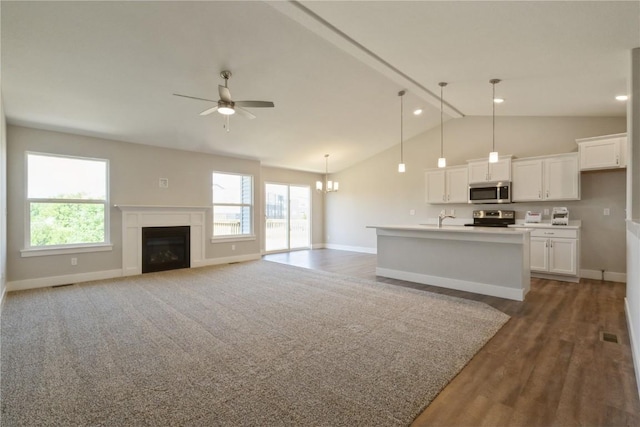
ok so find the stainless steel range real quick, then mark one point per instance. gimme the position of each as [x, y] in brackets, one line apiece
[493, 218]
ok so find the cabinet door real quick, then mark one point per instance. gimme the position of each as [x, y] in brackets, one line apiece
[562, 178]
[600, 154]
[539, 251]
[500, 171]
[457, 184]
[527, 181]
[478, 172]
[562, 256]
[435, 186]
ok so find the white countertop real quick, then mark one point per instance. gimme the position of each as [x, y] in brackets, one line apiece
[454, 229]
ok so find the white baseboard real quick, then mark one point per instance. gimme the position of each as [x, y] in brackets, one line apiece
[610, 276]
[351, 248]
[226, 260]
[635, 353]
[318, 246]
[43, 282]
[460, 285]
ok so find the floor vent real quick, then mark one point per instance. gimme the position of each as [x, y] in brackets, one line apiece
[608, 337]
[62, 286]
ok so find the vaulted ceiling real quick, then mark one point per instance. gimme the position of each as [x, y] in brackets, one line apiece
[332, 68]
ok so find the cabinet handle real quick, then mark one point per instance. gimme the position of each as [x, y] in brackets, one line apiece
[550, 233]
[551, 244]
[617, 160]
[547, 194]
[546, 244]
[540, 194]
[444, 198]
[448, 197]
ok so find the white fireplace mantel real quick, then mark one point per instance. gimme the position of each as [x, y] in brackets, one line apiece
[135, 217]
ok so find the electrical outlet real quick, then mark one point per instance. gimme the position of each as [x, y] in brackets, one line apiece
[233, 247]
[546, 211]
[607, 211]
[163, 182]
[412, 211]
[453, 212]
[74, 261]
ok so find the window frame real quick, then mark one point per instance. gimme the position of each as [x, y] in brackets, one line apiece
[234, 237]
[67, 248]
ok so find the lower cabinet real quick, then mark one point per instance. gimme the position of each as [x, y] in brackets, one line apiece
[555, 251]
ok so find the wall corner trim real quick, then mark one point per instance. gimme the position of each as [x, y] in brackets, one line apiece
[635, 352]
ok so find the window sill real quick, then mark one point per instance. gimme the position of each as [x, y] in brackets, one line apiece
[225, 239]
[33, 252]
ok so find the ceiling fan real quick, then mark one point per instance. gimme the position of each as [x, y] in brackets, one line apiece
[226, 106]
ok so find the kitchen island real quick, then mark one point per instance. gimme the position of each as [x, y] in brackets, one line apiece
[484, 260]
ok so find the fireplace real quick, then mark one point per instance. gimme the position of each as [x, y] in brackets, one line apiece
[165, 248]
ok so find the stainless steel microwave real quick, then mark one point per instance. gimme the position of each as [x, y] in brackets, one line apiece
[490, 192]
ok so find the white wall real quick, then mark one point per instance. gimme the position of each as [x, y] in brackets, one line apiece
[3, 202]
[134, 173]
[373, 192]
[633, 213]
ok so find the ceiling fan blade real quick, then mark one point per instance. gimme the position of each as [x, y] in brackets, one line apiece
[209, 111]
[194, 97]
[244, 112]
[255, 104]
[225, 94]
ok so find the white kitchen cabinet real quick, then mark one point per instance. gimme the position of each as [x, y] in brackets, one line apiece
[483, 171]
[555, 251]
[447, 185]
[546, 178]
[603, 152]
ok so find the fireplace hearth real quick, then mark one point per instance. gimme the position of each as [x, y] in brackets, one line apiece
[165, 248]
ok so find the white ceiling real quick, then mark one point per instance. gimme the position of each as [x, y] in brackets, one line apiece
[332, 68]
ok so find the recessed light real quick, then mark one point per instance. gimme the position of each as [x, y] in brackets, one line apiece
[622, 97]
[417, 111]
[498, 100]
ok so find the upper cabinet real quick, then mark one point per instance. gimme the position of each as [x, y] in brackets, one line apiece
[546, 178]
[483, 171]
[447, 185]
[603, 152]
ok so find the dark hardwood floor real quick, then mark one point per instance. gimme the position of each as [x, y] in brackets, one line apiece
[548, 366]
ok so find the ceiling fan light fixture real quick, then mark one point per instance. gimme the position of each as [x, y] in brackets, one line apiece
[226, 110]
[622, 97]
[498, 100]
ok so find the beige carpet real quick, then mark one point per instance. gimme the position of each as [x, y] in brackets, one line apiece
[257, 343]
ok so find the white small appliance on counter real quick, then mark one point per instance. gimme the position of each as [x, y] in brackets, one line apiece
[560, 216]
[532, 217]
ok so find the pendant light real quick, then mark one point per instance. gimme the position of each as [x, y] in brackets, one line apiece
[328, 186]
[401, 166]
[493, 155]
[442, 162]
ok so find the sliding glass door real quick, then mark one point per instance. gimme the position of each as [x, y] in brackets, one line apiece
[288, 217]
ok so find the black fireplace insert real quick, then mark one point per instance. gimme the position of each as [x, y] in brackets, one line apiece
[165, 248]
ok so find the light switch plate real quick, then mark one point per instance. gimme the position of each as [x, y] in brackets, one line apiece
[163, 182]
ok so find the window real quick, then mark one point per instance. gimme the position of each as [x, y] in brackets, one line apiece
[232, 205]
[67, 201]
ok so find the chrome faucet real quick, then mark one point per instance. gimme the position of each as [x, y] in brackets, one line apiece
[442, 216]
